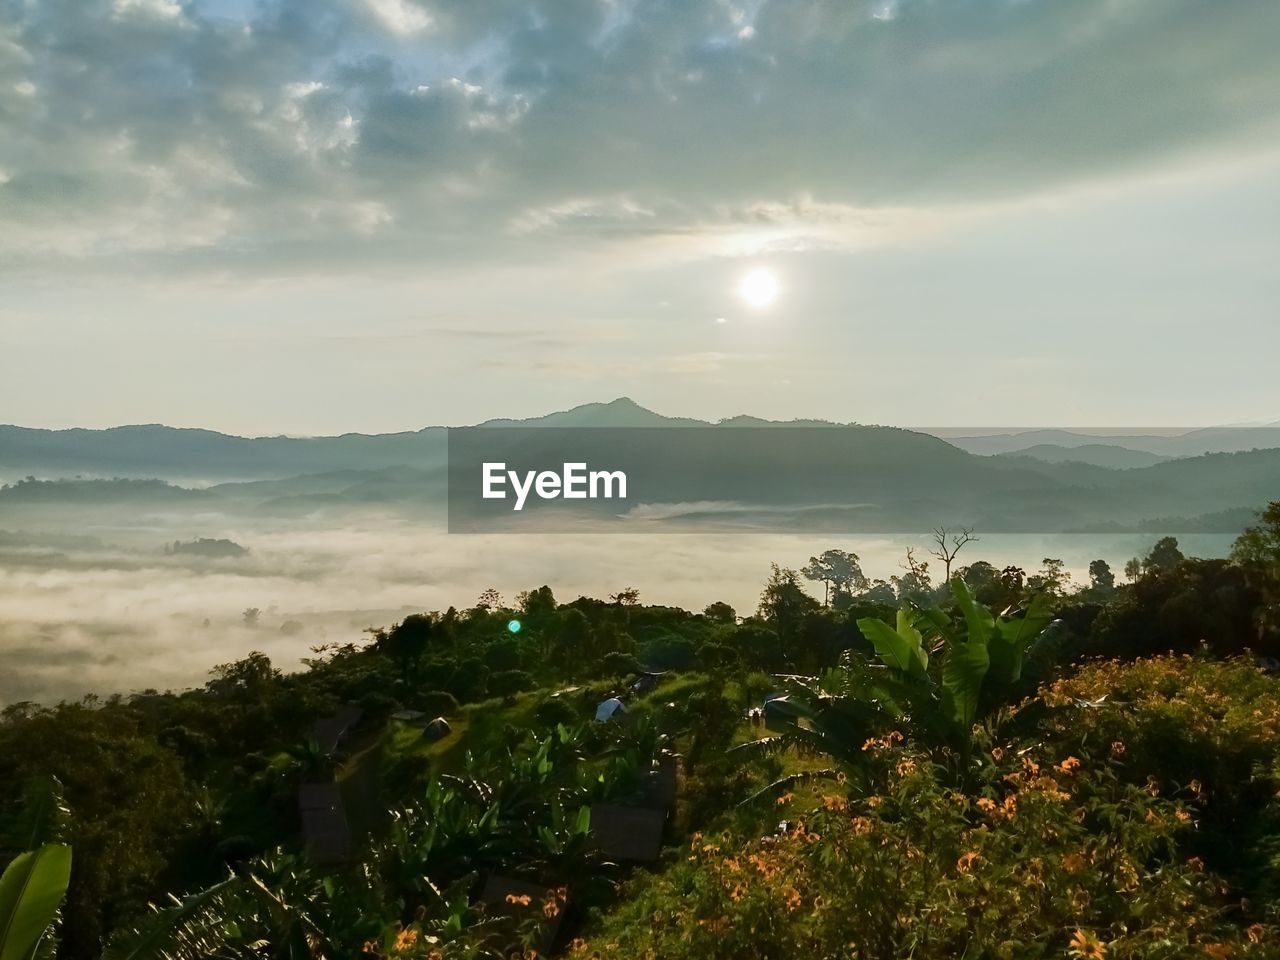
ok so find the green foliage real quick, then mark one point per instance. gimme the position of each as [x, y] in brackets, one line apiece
[190, 791]
[1050, 858]
[31, 890]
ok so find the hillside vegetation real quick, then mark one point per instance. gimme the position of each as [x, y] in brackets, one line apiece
[999, 763]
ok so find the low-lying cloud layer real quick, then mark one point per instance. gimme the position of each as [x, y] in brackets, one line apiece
[82, 617]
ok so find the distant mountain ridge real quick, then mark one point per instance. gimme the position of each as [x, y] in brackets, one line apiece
[147, 451]
[1193, 443]
[183, 455]
[885, 478]
[1096, 454]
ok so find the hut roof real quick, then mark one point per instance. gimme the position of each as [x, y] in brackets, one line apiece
[329, 731]
[324, 822]
[659, 790]
[628, 833]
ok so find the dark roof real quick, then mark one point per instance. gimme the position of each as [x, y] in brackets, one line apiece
[329, 731]
[659, 790]
[497, 890]
[628, 833]
[324, 822]
[319, 796]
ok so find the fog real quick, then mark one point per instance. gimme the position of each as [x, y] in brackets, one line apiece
[102, 609]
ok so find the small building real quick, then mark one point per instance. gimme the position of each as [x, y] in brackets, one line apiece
[329, 732]
[608, 709]
[325, 830]
[658, 791]
[628, 833]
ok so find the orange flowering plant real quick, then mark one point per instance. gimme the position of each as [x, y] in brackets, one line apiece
[1051, 854]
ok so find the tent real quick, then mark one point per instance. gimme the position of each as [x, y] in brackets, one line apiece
[779, 707]
[647, 680]
[609, 707]
[437, 729]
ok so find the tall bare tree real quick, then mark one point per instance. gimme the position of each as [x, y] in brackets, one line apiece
[948, 544]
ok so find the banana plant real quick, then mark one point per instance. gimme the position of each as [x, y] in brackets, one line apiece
[935, 675]
[272, 908]
[31, 892]
[982, 655]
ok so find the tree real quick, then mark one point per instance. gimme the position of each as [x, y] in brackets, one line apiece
[537, 605]
[881, 591]
[507, 683]
[626, 597]
[1257, 551]
[948, 544]
[406, 642]
[251, 616]
[130, 798]
[915, 584]
[573, 640]
[979, 574]
[489, 600]
[1054, 578]
[721, 612]
[248, 678]
[839, 572]
[617, 665]
[783, 602]
[1164, 557]
[1101, 579]
[1260, 544]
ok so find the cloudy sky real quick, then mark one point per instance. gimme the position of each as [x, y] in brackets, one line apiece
[314, 216]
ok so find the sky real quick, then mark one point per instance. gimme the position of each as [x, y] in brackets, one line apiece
[321, 216]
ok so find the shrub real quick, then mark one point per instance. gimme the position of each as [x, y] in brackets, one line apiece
[557, 710]
[437, 703]
[507, 683]
[1207, 732]
[1051, 858]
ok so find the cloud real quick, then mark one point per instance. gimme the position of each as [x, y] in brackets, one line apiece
[401, 17]
[157, 9]
[77, 618]
[308, 135]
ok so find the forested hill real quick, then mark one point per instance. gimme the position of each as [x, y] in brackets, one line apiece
[155, 451]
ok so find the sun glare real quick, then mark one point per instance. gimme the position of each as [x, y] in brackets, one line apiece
[759, 288]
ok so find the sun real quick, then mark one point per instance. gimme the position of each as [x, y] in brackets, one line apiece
[759, 288]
